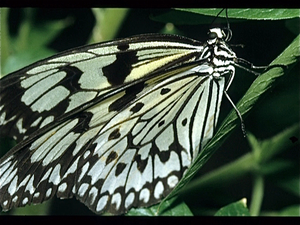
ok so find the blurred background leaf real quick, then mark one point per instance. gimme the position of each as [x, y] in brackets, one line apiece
[238, 208]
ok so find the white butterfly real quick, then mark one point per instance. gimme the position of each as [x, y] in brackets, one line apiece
[114, 124]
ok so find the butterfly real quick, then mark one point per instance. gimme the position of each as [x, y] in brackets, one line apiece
[115, 124]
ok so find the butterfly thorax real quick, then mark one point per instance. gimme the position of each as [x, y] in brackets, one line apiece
[218, 55]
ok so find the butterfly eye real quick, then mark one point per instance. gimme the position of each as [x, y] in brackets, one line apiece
[212, 35]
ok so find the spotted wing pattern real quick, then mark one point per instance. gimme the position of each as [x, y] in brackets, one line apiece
[115, 124]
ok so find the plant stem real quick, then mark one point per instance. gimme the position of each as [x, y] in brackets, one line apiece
[108, 23]
[257, 194]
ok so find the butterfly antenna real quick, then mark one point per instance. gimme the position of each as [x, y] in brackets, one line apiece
[218, 15]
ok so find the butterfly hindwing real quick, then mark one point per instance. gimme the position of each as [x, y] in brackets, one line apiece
[96, 159]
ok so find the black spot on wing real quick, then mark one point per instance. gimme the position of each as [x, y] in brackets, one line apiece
[130, 94]
[164, 156]
[161, 123]
[137, 107]
[115, 134]
[184, 121]
[123, 46]
[164, 91]
[71, 82]
[117, 71]
[120, 168]
[83, 123]
[141, 164]
[111, 157]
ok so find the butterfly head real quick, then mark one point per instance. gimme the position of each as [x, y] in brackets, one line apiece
[215, 34]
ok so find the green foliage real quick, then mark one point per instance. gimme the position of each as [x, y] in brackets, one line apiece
[171, 207]
[269, 162]
[250, 14]
[21, 50]
[202, 16]
[238, 208]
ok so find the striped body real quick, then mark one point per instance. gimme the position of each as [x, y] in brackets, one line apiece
[115, 124]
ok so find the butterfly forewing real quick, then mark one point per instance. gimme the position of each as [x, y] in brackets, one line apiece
[53, 89]
[115, 124]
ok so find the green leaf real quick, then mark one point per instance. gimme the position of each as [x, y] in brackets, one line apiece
[4, 51]
[30, 44]
[33, 35]
[238, 208]
[181, 17]
[206, 16]
[171, 207]
[253, 14]
[25, 58]
[275, 166]
[44, 33]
